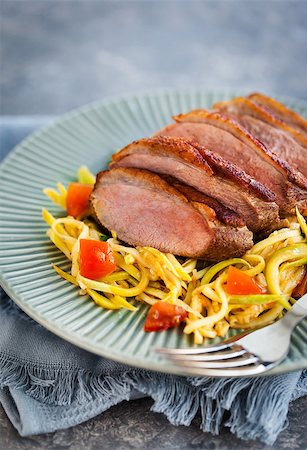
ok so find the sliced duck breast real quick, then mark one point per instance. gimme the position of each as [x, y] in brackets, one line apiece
[281, 111]
[279, 142]
[246, 106]
[234, 143]
[205, 171]
[223, 214]
[145, 210]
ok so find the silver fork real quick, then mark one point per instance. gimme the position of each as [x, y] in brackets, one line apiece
[252, 354]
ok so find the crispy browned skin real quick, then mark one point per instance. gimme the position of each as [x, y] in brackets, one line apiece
[226, 237]
[281, 111]
[279, 142]
[225, 168]
[195, 166]
[231, 126]
[199, 156]
[242, 105]
[163, 145]
[145, 210]
[222, 213]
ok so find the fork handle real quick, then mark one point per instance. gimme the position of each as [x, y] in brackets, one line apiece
[297, 312]
[300, 306]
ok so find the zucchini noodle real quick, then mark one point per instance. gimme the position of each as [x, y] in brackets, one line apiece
[146, 275]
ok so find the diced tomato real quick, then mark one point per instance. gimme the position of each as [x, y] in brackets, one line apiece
[96, 259]
[239, 283]
[77, 201]
[162, 316]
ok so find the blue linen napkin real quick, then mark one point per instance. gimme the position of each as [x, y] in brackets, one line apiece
[48, 384]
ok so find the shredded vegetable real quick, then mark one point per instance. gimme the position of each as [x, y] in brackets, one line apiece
[85, 176]
[277, 265]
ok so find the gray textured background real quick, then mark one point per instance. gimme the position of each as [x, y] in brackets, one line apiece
[57, 55]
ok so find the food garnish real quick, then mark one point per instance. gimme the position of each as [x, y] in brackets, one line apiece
[238, 283]
[77, 200]
[96, 259]
[162, 316]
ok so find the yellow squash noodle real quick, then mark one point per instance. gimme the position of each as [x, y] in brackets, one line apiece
[149, 275]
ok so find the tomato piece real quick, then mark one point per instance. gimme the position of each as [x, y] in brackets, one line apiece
[239, 283]
[77, 201]
[96, 259]
[162, 316]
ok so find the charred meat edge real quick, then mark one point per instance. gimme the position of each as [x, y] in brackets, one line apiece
[278, 141]
[242, 105]
[280, 111]
[198, 155]
[223, 214]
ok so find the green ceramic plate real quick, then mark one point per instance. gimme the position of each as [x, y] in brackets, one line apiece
[89, 136]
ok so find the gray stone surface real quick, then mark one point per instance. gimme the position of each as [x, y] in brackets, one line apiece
[56, 55]
[132, 426]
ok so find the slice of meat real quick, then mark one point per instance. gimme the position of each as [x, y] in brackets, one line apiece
[242, 105]
[238, 239]
[234, 143]
[279, 142]
[145, 210]
[197, 167]
[223, 214]
[280, 111]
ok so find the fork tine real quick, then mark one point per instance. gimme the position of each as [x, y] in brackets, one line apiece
[212, 356]
[225, 373]
[224, 364]
[248, 355]
[196, 351]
